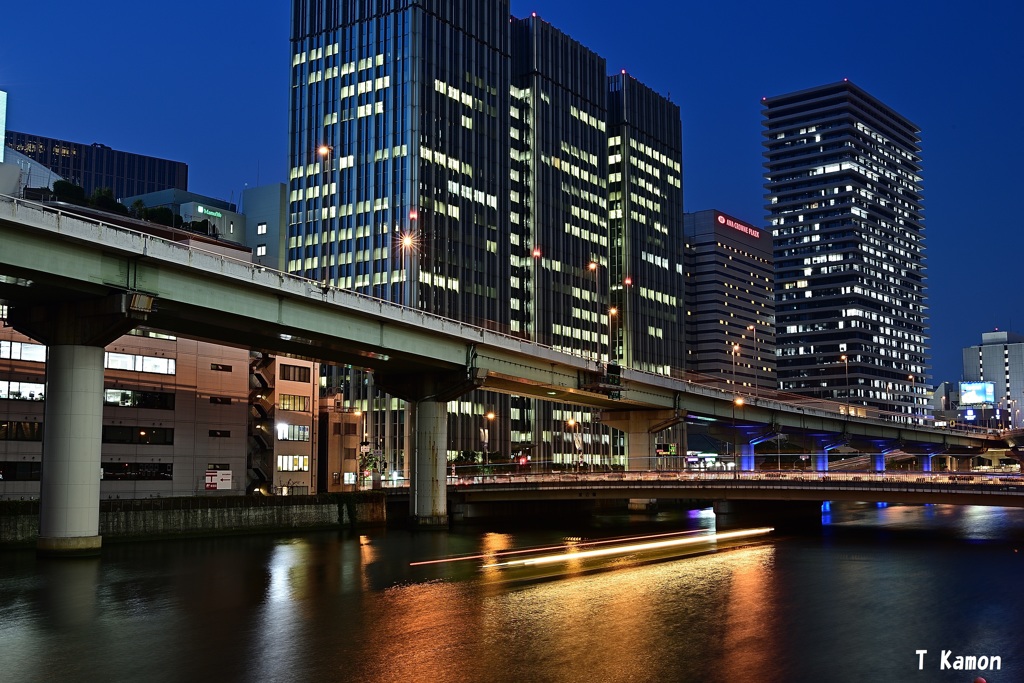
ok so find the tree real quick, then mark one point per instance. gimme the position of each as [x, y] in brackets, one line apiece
[160, 215]
[64, 191]
[103, 199]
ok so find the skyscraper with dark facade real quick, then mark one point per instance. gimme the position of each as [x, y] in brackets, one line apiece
[730, 301]
[454, 158]
[843, 197]
[97, 166]
[645, 217]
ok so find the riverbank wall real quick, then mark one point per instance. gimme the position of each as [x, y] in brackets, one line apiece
[156, 518]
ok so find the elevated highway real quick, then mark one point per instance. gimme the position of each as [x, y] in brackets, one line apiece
[76, 282]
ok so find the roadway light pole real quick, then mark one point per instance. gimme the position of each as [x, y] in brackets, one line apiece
[576, 439]
[846, 361]
[612, 312]
[485, 432]
[753, 331]
[324, 151]
[735, 352]
[592, 267]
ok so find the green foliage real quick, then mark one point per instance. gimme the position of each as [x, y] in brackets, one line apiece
[64, 191]
[160, 215]
[103, 199]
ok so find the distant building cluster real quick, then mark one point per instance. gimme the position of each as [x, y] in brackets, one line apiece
[487, 168]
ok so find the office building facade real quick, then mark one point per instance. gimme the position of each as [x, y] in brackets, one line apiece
[843, 199]
[730, 304]
[97, 166]
[456, 159]
[174, 417]
[992, 390]
[645, 218]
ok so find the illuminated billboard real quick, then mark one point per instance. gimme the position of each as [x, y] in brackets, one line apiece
[977, 393]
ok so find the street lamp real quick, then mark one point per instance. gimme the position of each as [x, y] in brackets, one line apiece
[324, 152]
[576, 438]
[612, 312]
[406, 242]
[735, 352]
[592, 267]
[846, 361]
[753, 330]
[485, 432]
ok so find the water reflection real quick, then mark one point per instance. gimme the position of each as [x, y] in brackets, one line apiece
[852, 604]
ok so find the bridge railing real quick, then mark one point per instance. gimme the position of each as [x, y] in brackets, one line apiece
[1000, 480]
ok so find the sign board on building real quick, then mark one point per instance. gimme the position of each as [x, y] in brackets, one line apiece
[218, 480]
[977, 393]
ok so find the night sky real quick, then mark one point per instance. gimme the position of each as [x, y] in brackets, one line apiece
[207, 83]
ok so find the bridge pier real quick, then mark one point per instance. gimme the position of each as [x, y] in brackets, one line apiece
[640, 427]
[426, 423]
[879, 461]
[783, 515]
[428, 503]
[75, 334]
[746, 463]
[821, 462]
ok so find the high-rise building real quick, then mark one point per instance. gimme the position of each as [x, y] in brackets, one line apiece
[730, 304]
[645, 217]
[456, 159]
[843, 198]
[993, 382]
[97, 166]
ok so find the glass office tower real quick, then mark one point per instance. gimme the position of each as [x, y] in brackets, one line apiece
[453, 158]
[645, 195]
[843, 197]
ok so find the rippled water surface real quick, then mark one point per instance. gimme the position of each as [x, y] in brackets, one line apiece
[854, 603]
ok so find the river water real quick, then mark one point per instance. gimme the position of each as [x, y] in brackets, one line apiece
[854, 603]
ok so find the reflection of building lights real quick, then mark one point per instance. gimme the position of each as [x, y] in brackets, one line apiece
[618, 550]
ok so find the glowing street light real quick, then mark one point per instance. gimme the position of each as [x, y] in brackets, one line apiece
[757, 357]
[324, 152]
[846, 361]
[485, 432]
[612, 312]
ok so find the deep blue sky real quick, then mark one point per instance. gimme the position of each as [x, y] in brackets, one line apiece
[207, 82]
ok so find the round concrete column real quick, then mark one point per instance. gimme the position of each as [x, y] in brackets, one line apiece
[69, 513]
[746, 463]
[428, 499]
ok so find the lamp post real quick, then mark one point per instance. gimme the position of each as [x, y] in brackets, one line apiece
[592, 267]
[406, 243]
[324, 152]
[612, 312]
[757, 353]
[627, 322]
[534, 297]
[735, 352]
[485, 433]
[846, 361]
[574, 436]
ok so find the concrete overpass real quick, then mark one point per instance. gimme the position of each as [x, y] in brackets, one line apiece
[76, 282]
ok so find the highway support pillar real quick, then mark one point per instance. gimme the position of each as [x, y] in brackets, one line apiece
[428, 493]
[641, 427]
[821, 462]
[746, 463]
[426, 430]
[879, 460]
[75, 334]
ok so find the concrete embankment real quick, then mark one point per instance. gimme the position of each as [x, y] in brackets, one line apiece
[155, 518]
